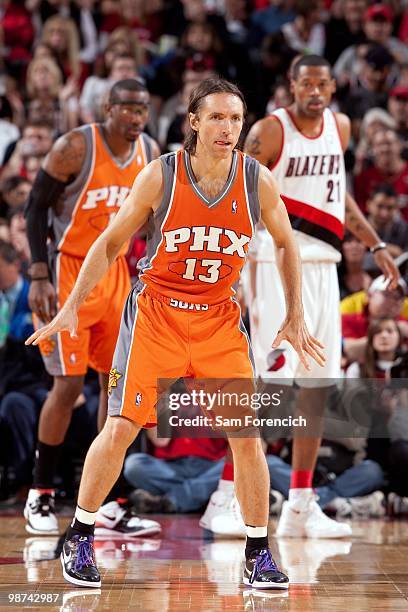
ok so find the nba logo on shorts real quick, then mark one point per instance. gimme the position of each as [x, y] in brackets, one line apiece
[138, 399]
[234, 206]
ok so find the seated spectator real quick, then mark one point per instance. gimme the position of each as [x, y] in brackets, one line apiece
[14, 194]
[18, 238]
[306, 33]
[37, 139]
[95, 89]
[377, 26]
[17, 35]
[370, 87]
[383, 215]
[382, 351]
[44, 82]
[388, 167]
[179, 476]
[398, 109]
[9, 132]
[270, 20]
[19, 416]
[60, 34]
[351, 274]
[374, 120]
[360, 308]
[385, 359]
[15, 314]
[350, 491]
[344, 27]
[281, 97]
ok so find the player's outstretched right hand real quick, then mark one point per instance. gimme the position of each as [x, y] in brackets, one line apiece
[65, 320]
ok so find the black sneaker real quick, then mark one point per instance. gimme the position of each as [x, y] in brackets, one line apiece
[261, 572]
[78, 561]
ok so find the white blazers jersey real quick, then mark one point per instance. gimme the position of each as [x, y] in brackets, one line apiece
[312, 182]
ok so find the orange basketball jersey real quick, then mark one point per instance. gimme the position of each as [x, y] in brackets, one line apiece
[197, 246]
[91, 201]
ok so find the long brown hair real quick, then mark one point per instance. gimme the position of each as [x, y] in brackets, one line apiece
[369, 367]
[204, 89]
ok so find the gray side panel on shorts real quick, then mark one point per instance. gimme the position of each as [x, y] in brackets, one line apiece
[52, 360]
[61, 214]
[154, 236]
[122, 353]
[251, 177]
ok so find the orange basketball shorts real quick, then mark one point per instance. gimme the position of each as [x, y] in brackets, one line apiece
[161, 340]
[98, 320]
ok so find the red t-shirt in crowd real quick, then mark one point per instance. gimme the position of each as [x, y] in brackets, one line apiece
[366, 181]
[356, 325]
[207, 448]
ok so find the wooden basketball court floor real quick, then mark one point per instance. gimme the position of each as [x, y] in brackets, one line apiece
[185, 569]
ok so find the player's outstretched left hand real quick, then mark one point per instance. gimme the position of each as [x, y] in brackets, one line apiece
[65, 320]
[387, 265]
[296, 332]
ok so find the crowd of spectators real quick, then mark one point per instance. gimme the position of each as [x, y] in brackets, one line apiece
[58, 59]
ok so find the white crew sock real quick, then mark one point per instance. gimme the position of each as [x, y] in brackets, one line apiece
[88, 518]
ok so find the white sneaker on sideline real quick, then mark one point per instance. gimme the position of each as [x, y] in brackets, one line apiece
[397, 505]
[39, 512]
[368, 506]
[113, 519]
[309, 522]
[223, 516]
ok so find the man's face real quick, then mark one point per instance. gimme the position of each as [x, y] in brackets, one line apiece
[382, 209]
[398, 107]
[218, 123]
[386, 148]
[18, 196]
[37, 140]
[378, 30]
[375, 78]
[123, 68]
[385, 304]
[129, 113]
[354, 9]
[313, 89]
[8, 274]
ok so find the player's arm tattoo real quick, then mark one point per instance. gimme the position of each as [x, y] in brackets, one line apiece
[353, 223]
[358, 225]
[254, 145]
[66, 157]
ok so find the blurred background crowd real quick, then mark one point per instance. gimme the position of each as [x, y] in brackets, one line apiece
[58, 60]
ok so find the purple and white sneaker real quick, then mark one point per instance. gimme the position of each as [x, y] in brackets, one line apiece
[261, 572]
[78, 561]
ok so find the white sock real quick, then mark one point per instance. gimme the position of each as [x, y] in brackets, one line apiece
[256, 532]
[226, 485]
[88, 518]
[300, 497]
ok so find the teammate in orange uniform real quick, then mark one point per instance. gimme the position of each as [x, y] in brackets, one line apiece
[303, 147]
[85, 179]
[203, 203]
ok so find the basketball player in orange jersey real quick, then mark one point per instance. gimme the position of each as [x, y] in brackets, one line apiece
[84, 180]
[202, 204]
[303, 147]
